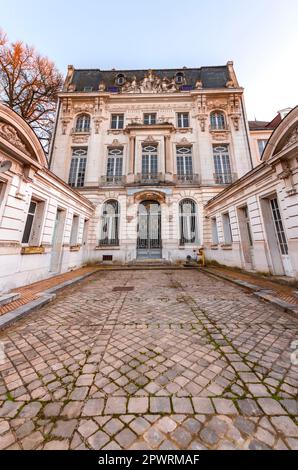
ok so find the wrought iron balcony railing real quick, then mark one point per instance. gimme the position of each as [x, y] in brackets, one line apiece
[187, 179]
[224, 178]
[149, 178]
[112, 180]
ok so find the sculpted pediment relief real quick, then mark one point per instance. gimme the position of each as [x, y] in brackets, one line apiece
[10, 134]
[292, 138]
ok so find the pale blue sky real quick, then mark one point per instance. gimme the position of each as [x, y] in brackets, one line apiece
[260, 36]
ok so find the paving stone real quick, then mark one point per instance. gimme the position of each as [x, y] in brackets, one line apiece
[291, 406]
[271, 407]
[112, 446]
[196, 445]
[87, 428]
[249, 407]
[138, 405]
[64, 428]
[31, 442]
[125, 438]
[4, 427]
[224, 406]
[285, 425]
[72, 409]
[6, 440]
[57, 445]
[113, 426]
[168, 445]
[244, 425]
[25, 429]
[52, 409]
[166, 424]
[30, 410]
[257, 445]
[209, 436]
[182, 437]
[116, 405]
[182, 405]
[153, 437]
[79, 393]
[192, 425]
[93, 407]
[202, 405]
[292, 443]
[160, 405]
[98, 440]
[219, 426]
[265, 436]
[139, 425]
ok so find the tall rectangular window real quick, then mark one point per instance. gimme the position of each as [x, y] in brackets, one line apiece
[33, 223]
[149, 162]
[117, 121]
[74, 230]
[214, 231]
[247, 223]
[184, 163]
[78, 167]
[261, 145]
[183, 120]
[149, 118]
[114, 164]
[279, 228]
[227, 228]
[223, 174]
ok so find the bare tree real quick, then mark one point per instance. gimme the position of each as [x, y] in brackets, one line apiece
[29, 84]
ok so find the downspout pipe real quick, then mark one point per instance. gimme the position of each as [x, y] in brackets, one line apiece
[246, 131]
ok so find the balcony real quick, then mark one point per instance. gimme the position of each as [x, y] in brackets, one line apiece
[149, 178]
[189, 179]
[224, 178]
[112, 181]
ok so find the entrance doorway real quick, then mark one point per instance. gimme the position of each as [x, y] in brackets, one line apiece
[149, 230]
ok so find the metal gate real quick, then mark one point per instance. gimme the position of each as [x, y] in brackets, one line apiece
[149, 230]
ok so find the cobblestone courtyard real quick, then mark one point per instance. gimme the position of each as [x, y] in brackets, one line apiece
[179, 361]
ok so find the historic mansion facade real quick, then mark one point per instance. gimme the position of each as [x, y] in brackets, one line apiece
[149, 149]
[149, 164]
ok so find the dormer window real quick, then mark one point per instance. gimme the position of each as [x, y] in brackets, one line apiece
[179, 78]
[120, 79]
[83, 123]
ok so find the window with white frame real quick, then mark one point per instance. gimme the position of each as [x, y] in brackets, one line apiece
[184, 162]
[117, 121]
[279, 227]
[149, 118]
[214, 231]
[32, 229]
[188, 221]
[223, 174]
[74, 230]
[227, 231]
[217, 120]
[83, 123]
[183, 120]
[149, 161]
[110, 224]
[114, 164]
[261, 145]
[78, 167]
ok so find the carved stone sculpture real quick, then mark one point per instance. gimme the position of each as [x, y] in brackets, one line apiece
[10, 134]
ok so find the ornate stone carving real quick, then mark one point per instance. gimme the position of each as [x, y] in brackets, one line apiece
[83, 107]
[151, 83]
[217, 104]
[80, 139]
[10, 134]
[292, 138]
[285, 173]
[219, 135]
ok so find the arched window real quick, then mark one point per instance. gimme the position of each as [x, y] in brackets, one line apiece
[110, 224]
[188, 221]
[217, 120]
[120, 79]
[83, 123]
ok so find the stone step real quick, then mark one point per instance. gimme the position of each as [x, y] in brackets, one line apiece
[7, 298]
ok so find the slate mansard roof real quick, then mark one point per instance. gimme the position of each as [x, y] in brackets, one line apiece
[211, 77]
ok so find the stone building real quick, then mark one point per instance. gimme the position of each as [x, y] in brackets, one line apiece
[43, 222]
[253, 224]
[149, 149]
